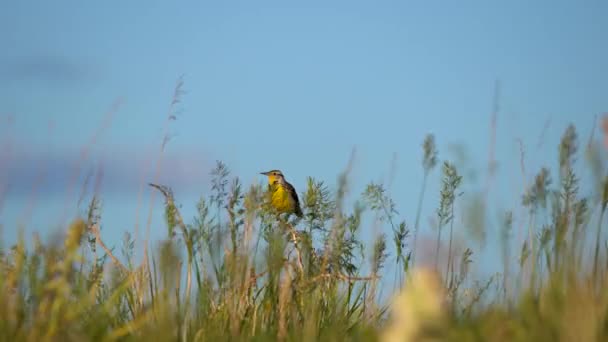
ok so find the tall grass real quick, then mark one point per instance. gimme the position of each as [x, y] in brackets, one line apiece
[239, 271]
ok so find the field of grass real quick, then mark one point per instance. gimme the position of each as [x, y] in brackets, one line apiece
[240, 272]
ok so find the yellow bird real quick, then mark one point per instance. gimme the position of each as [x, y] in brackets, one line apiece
[284, 197]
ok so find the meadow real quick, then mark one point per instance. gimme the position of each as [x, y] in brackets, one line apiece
[238, 271]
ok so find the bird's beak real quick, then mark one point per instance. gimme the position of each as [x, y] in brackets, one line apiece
[264, 173]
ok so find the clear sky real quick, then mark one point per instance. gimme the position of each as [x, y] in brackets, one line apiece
[272, 84]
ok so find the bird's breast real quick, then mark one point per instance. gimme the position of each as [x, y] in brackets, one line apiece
[280, 198]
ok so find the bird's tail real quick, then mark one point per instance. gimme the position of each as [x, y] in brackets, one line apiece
[298, 212]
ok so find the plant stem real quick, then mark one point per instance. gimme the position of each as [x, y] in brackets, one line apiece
[533, 251]
[447, 271]
[597, 242]
[437, 248]
[418, 212]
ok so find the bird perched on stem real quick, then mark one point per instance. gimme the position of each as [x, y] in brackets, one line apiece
[284, 197]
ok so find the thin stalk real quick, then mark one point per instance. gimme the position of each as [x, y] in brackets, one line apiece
[188, 288]
[447, 271]
[437, 248]
[418, 213]
[597, 243]
[533, 251]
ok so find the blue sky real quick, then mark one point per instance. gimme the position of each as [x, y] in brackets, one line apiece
[272, 84]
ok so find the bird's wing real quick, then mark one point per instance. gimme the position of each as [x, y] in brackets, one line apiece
[292, 191]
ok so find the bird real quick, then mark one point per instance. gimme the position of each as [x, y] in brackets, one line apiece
[284, 197]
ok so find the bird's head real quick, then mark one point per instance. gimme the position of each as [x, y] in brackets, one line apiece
[274, 176]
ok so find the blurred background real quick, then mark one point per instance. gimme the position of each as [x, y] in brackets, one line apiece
[85, 92]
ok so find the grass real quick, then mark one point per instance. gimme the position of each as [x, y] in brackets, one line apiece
[238, 271]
